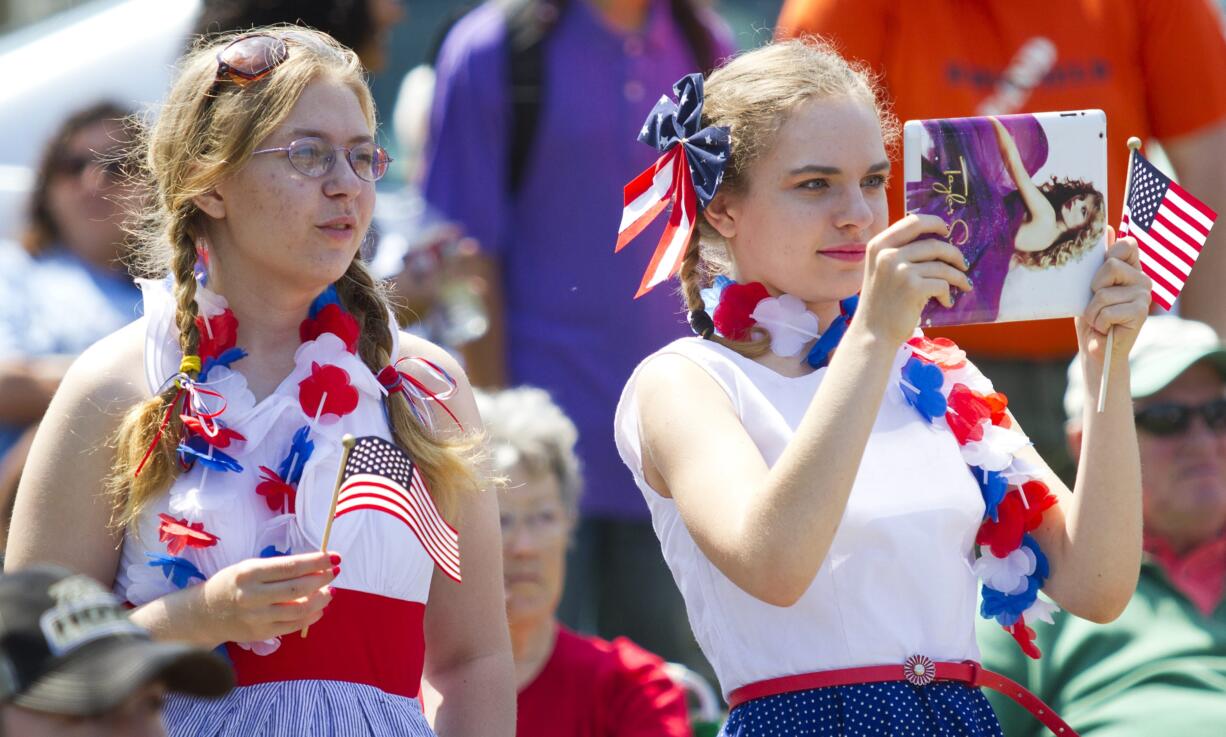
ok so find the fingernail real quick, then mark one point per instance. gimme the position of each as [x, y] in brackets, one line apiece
[335, 559]
[336, 571]
[970, 282]
[966, 261]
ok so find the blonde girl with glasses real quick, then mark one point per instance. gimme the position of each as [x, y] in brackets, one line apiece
[190, 459]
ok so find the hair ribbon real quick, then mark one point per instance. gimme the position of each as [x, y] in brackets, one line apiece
[685, 177]
[393, 380]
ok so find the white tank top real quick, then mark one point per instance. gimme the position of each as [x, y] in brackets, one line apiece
[897, 580]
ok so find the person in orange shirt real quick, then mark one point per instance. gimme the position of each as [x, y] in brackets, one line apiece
[1156, 67]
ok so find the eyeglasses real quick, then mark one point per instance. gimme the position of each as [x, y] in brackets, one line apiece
[314, 157]
[250, 58]
[1169, 419]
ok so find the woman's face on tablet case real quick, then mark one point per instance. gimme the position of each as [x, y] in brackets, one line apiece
[1075, 211]
[811, 202]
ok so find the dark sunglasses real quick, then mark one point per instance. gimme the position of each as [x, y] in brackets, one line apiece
[250, 58]
[1168, 419]
[74, 165]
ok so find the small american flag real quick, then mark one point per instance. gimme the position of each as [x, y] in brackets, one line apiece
[379, 476]
[1170, 226]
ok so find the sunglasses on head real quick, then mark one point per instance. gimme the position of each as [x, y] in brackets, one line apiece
[250, 58]
[1168, 418]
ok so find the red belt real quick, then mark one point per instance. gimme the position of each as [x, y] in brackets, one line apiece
[919, 671]
[362, 638]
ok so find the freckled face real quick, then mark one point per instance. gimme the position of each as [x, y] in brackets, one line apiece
[296, 228]
[813, 201]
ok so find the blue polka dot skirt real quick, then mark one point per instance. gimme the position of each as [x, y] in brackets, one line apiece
[890, 709]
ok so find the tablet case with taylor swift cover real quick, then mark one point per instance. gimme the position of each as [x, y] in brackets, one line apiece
[1025, 199]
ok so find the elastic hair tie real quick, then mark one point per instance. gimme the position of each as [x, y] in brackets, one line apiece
[190, 364]
[701, 323]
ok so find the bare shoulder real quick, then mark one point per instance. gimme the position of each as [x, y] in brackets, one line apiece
[667, 379]
[415, 346]
[461, 402]
[62, 483]
[109, 376]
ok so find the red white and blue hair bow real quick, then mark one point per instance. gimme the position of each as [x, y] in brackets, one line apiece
[685, 177]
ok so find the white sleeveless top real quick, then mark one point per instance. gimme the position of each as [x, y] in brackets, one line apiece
[897, 580]
[380, 555]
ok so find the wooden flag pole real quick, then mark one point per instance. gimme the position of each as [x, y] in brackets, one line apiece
[347, 443]
[1134, 144]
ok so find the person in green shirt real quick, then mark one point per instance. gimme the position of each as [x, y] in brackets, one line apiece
[1160, 668]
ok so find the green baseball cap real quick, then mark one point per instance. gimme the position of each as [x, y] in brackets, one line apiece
[1166, 347]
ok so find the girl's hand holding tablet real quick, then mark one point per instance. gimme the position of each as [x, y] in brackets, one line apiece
[906, 265]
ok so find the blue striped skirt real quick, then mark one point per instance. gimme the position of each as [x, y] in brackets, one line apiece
[941, 709]
[297, 709]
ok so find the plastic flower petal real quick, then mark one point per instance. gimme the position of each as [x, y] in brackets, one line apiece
[179, 534]
[968, 376]
[1025, 638]
[179, 571]
[995, 451]
[1006, 573]
[209, 303]
[223, 437]
[1041, 611]
[195, 449]
[278, 494]
[732, 317]
[921, 387]
[790, 323]
[941, 351]
[993, 487]
[301, 448]
[218, 334]
[967, 413]
[332, 318]
[226, 358]
[327, 297]
[327, 391]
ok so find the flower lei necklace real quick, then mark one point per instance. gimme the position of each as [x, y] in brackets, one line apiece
[325, 396]
[936, 379]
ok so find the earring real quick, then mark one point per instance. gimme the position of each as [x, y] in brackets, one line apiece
[201, 269]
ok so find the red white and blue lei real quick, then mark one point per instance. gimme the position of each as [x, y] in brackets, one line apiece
[936, 379]
[325, 365]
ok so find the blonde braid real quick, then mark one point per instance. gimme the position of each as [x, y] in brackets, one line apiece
[128, 490]
[445, 464]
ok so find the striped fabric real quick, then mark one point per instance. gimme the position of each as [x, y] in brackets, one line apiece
[297, 709]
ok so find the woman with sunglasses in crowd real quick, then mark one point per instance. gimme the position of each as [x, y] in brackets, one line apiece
[264, 344]
[821, 475]
[69, 262]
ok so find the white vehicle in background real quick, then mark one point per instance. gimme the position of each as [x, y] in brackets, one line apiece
[118, 50]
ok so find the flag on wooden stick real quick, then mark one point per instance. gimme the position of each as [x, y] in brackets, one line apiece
[379, 476]
[1170, 226]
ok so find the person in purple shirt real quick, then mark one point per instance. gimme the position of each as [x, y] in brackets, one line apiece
[547, 221]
